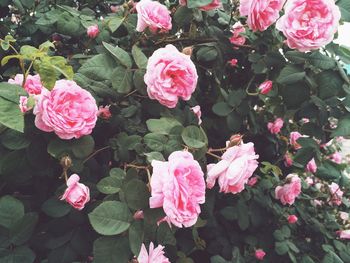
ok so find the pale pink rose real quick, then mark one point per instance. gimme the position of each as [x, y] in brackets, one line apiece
[23, 104]
[138, 215]
[288, 161]
[76, 194]
[104, 113]
[233, 62]
[276, 126]
[336, 157]
[309, 181]
[289, 191]
[344, 216]
[154, 255]
[237, 39]
[252, 181]
[197, 111]
[164, 219]
[234, 170]
[344, 234]
[153, 15]
[311, 166]
[178, 186]
[213, 5]
[170, 75]
[33, 83]
[292, 219]
[265, 87]
[92, 31]
[261, 13]
[305, 120]
[336, 194]
[68, 110]
[259, 254]
[294, 136]
[309, 24]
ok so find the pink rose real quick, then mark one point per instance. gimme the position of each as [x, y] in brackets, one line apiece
[213, 5]
[76, 194]
[197, 111]
[252, 181]
[336, 157]
[153, 15]
[276, 126]
[155, 255]
[289, 191]
[311, 166]
[344, 234]
[233, 62]
[259, 254]
[92, 31]
[309, 24]
[261, 13]
[104, 113]
[292, 219]
[294, 136]
[288, 162]
[170, 75]
[68, 110]
[344, 216]
[115, 8]
[23, 104]
[336, 194]
[178, 186]
[237, 39]
[33, 83]
[265, 87]
[233, 171]
[309, 181]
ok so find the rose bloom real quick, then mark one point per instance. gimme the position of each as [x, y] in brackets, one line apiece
[237, 39]
[233, 62]
[76, 194]
[294, 136]
[170, 75]
[292, 219]
[311, 166]
[259, 254]
[265, 87]
[154, 255]
[289, 191]
[309, 24]
[197, 111]
[288, 162]
[252, 181]
[213, 5]
[344, 234]
[344, 216]
[23, 104]
[92, 31]
[153, 15]
[233, 171]
[336, 157]
[276, 126]
[261, 13]
[68, 110]
[336, 194]
[309, 181]
[104, 113]
[33, 83]
[178, 186]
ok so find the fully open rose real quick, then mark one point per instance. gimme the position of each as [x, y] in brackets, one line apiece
[289, 191]
[154, 255]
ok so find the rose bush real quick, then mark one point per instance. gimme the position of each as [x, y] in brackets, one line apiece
[173, 131]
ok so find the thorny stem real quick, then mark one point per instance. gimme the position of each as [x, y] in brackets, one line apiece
[96, 152]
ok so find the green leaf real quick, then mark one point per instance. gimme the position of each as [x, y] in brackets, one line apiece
[165, 235]
[6, 59]
[194, 137]
[136, 235]
[99, 67]
[109, 185]
[243, 216]
[122, 79]
[343, 128]
[327, 171]
[183, 16]
[110, 218]
[218, 259]
[197, 3]
[222, 109]
[281, 248]
[136, 194]
[206, 54]
[11, 210]
[114, 23]
[234, 122]
[344, 6]
[291, 74]
[83, 146]
[57, 147]
[321, 61]
[154, 156]
[155, 141]
[139, 57]
[55, 208]
[330, 84]
[120, 54]
[10, 115]
[14, 140]
[21, 254]
[163, 125]
[47, 73]
[21, 231]
[111, 250]
[117, 173]
[331, 257]
[235, 97]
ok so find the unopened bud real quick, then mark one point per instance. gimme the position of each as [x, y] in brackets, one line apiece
[235, 139]
[66, 162]
[188, 50]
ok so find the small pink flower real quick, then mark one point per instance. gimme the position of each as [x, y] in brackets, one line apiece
[234, 170]
[178, 187]
[261, 13]
[23, 104]
[336, 194]
[115, 8]
[292, 219]
[344, 216]
[237, 39]
[311, 166]
[294, 136]
[138, 215]
[233, 62]
[153, 15]
[336, 157]
[154, 255]
[344, 234]
[316, 202]
[265, 87]
[76, 194]
[276, 126]
[289, 191]
[305, 120]
[309, 24]
[252, 181]
[197, 111]
[309, 181]
[170, 75]
[32, 85]
[92, 31]
[104, 113]
[213, 5]
[259, 254]
[288, 161]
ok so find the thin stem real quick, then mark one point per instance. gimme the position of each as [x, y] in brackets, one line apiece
[96, 152]
[130, 93]
[182, 39]
[218, 150]
[129, 165]
[214, 155]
